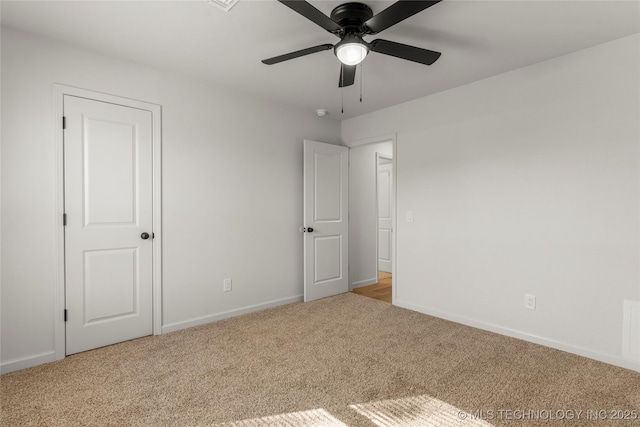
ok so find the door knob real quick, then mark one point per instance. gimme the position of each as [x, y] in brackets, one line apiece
[144, 236]
[309, 230]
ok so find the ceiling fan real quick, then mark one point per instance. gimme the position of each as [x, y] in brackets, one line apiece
[350, 22]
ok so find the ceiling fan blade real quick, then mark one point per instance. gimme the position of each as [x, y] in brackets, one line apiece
[404, 51]
[297, 54]
[312, 14]
[397, 12]
[347, 75]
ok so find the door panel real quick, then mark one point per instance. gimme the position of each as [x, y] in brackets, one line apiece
[384, 217]
[109, 171]
[326, 206]
[108, 202]
[327, 179]
[109, 284]
[328, 260]
[384, 248]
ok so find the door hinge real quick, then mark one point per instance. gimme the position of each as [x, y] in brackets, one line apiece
[65, 314]
[64, 122]
[64, 219]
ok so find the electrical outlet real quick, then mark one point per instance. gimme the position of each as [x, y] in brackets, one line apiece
[226, 285]
[409, 216]
[530, 302]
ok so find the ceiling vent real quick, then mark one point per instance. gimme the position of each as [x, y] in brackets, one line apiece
[224, 4]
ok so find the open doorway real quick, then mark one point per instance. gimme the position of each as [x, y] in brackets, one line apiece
[371, 205]
[383, 290]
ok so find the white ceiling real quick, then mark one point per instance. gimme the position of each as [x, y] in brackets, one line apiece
[477, 38]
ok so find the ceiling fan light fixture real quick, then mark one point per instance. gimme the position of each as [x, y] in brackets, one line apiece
[351, 50]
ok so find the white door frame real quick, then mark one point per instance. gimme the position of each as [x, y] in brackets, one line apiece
[59, 91]
[394, 201]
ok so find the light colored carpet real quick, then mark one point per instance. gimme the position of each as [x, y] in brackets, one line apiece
[345, 360]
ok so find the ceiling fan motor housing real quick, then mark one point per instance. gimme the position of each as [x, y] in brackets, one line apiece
[351, 17]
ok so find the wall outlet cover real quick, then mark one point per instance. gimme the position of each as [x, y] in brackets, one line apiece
[530, 302]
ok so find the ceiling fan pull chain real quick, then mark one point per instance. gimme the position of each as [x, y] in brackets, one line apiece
[361, 74]
[342, 88]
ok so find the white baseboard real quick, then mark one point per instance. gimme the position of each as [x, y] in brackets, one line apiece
[362, 283]
[27, 362]
[50, 356]
[172, 327]
[606, 358]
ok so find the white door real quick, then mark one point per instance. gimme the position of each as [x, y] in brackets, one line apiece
[108, 205]
[384, 214]
[326, 220]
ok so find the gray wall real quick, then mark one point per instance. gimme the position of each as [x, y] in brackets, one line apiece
[524, 183]
[232, 191]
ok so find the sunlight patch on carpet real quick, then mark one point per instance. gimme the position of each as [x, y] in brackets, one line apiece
[416, 411]
[312, 418]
